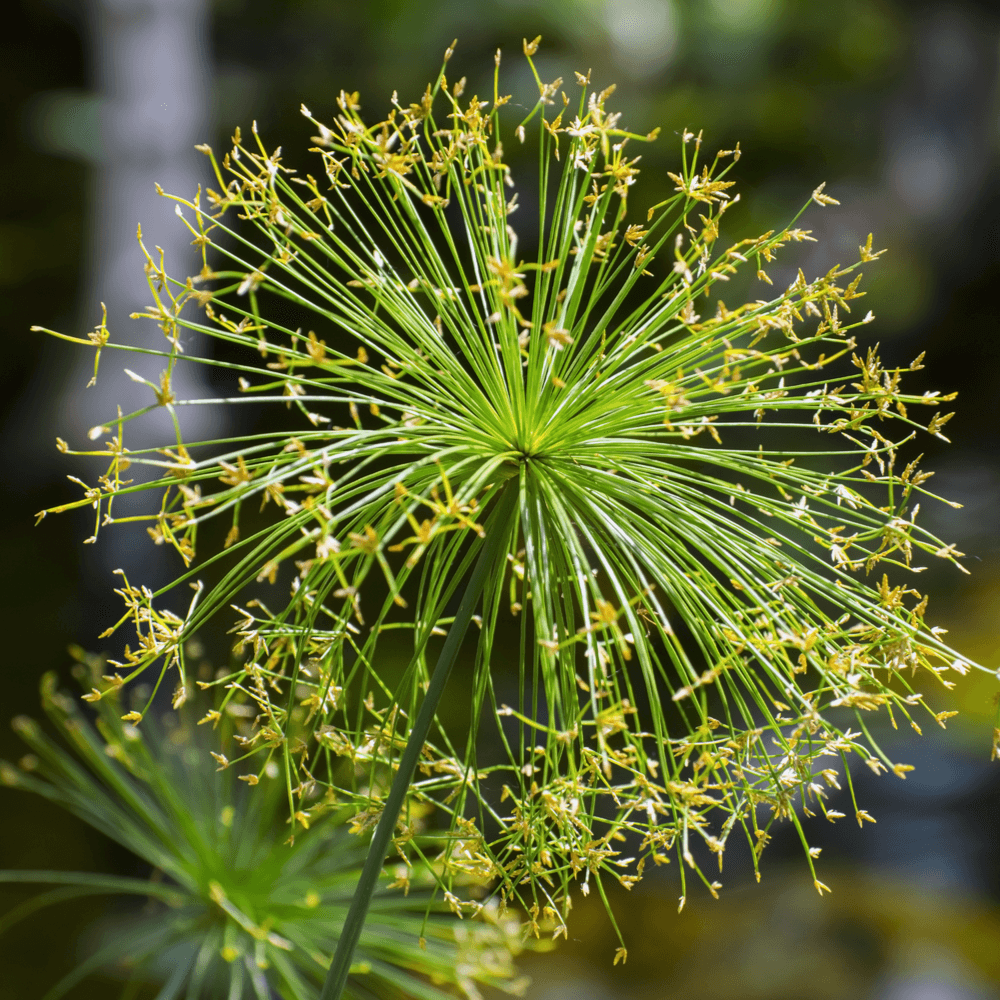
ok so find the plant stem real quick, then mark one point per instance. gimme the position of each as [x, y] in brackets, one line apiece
[336, 977]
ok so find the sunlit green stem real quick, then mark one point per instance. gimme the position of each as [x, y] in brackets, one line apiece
[496, 534]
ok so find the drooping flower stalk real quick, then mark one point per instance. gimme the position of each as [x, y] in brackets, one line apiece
[702, 495]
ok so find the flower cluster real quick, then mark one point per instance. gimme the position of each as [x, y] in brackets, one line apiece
[704, 494]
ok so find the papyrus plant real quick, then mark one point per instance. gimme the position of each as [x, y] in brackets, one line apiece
[229, 912]
[693, 526]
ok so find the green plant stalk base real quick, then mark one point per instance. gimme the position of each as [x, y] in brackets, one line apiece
[496, 533]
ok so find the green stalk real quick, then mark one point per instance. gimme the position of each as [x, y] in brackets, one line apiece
[336, 977]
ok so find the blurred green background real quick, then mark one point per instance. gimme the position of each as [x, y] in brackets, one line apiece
[894, 103]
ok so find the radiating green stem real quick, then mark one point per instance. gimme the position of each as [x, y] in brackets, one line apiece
[496, 533]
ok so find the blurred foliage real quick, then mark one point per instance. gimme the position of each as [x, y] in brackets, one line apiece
[231, 905]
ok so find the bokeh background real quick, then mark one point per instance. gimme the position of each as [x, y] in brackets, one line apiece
[894, 103]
